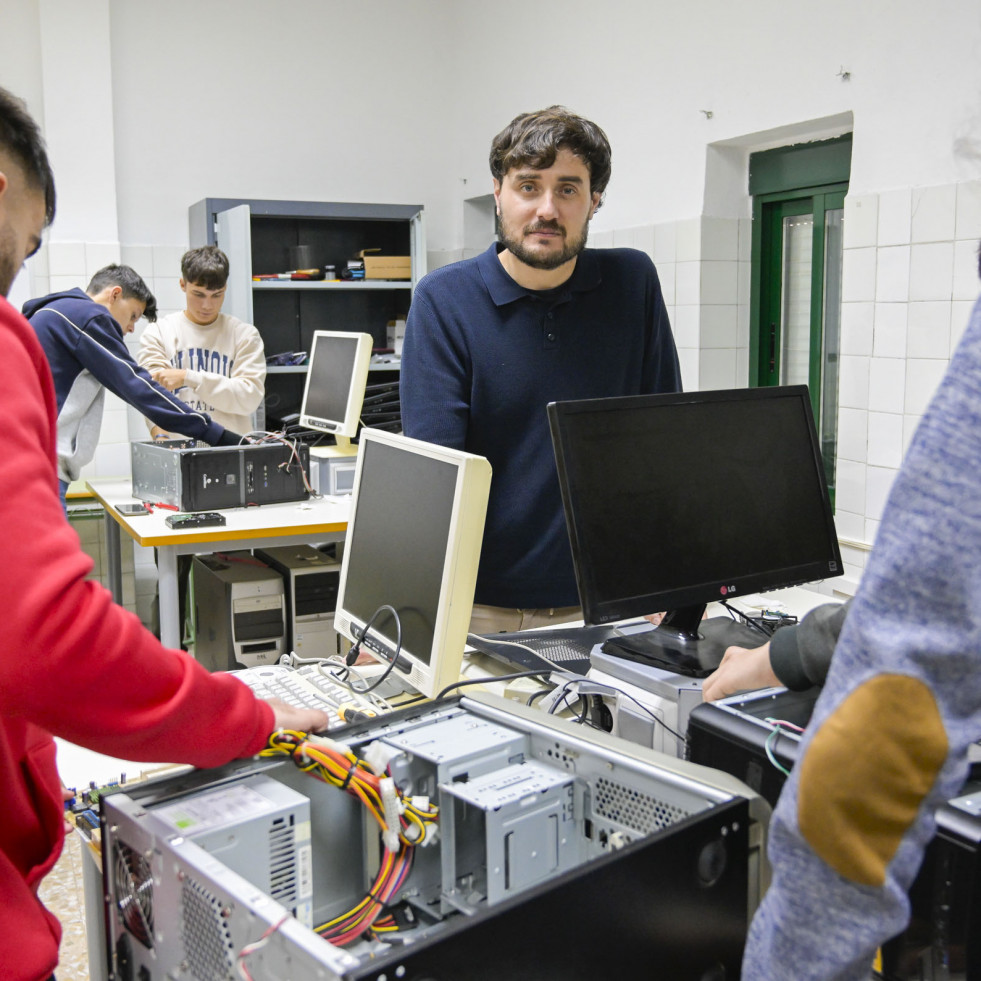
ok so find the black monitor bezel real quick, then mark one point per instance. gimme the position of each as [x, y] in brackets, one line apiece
[599, 609]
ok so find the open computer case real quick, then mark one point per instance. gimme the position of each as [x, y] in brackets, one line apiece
[561, 852]
[942, 941]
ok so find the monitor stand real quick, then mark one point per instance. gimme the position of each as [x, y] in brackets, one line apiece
[684, 643]
[342, 447]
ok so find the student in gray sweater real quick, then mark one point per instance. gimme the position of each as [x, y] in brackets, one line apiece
[888, 740]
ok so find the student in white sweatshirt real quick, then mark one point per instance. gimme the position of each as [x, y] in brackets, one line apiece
[214, 361]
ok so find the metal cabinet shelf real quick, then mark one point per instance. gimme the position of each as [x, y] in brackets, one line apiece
[258, 236]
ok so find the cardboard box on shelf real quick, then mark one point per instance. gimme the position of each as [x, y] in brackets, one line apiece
[386, 266]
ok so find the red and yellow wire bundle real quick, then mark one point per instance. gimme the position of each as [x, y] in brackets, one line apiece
[404, 822]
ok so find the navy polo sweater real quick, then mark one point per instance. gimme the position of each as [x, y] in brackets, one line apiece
[482, 359]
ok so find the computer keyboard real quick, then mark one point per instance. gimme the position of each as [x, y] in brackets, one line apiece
[308, 687]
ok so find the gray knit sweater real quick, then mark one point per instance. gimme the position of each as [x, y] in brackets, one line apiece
[888, 740]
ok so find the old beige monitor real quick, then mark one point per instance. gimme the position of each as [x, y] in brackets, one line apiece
[413, 542]
[334, 390]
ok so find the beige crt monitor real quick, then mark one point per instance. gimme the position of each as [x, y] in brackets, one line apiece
[334, 390]
[413, 543]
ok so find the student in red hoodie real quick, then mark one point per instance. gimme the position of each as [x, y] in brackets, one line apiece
[73, 664]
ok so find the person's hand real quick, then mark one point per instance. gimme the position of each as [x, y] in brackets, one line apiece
[300, 719]
[170, 378]
[741, 670]
[157, 433]
[67, 797]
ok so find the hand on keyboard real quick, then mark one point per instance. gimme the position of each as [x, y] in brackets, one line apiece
[301, 719]
[309, 688]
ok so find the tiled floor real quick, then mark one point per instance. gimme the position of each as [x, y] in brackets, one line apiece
[61, 892]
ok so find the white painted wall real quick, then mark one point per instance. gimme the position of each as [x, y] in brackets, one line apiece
[310, 100]
[397, 100]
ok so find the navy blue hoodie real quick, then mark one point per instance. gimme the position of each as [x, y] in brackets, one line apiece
[85, 349]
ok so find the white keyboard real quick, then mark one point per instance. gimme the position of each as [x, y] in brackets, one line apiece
[306, 687]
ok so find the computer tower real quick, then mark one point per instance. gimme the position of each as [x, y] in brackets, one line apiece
[331, 475]
[310, 582]
[196, 477]
[732, 735]
[240, 611]
[943, 940]
[614, 854]
[647, 705]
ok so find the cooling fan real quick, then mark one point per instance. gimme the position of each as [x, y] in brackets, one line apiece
[133, 887]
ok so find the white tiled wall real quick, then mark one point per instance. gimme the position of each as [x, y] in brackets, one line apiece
[910, 280]
[703, 265]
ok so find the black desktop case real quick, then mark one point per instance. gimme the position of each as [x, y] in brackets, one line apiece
[731, 735]
[943, 939]
[196, 477]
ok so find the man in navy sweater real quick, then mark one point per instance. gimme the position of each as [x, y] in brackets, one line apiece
[537, 318]
[82, 336]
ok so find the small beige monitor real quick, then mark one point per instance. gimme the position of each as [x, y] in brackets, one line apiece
[334, 390]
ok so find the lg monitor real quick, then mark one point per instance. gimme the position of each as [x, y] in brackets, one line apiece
[675, 501]
[334, 390]
[412, 545]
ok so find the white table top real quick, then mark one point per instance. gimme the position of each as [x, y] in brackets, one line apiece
[316, 516]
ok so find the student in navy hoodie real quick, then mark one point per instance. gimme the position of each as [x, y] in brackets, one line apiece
[82, 336]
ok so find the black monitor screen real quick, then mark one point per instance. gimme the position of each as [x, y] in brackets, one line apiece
[682, 499]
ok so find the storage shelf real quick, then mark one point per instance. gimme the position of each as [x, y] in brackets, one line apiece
[259, 237]
[313, 284]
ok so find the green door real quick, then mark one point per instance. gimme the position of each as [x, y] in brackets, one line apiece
[795, 302]
[799, 324]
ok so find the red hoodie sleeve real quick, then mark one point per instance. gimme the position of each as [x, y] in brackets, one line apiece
[73, 662]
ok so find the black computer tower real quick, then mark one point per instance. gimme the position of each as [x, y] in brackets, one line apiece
[731, 735]
[943, 939]
[196, 477]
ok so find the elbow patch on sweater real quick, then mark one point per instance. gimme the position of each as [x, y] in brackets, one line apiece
[866, 773]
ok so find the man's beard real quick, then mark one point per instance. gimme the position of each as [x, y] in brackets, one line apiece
[537, 260]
